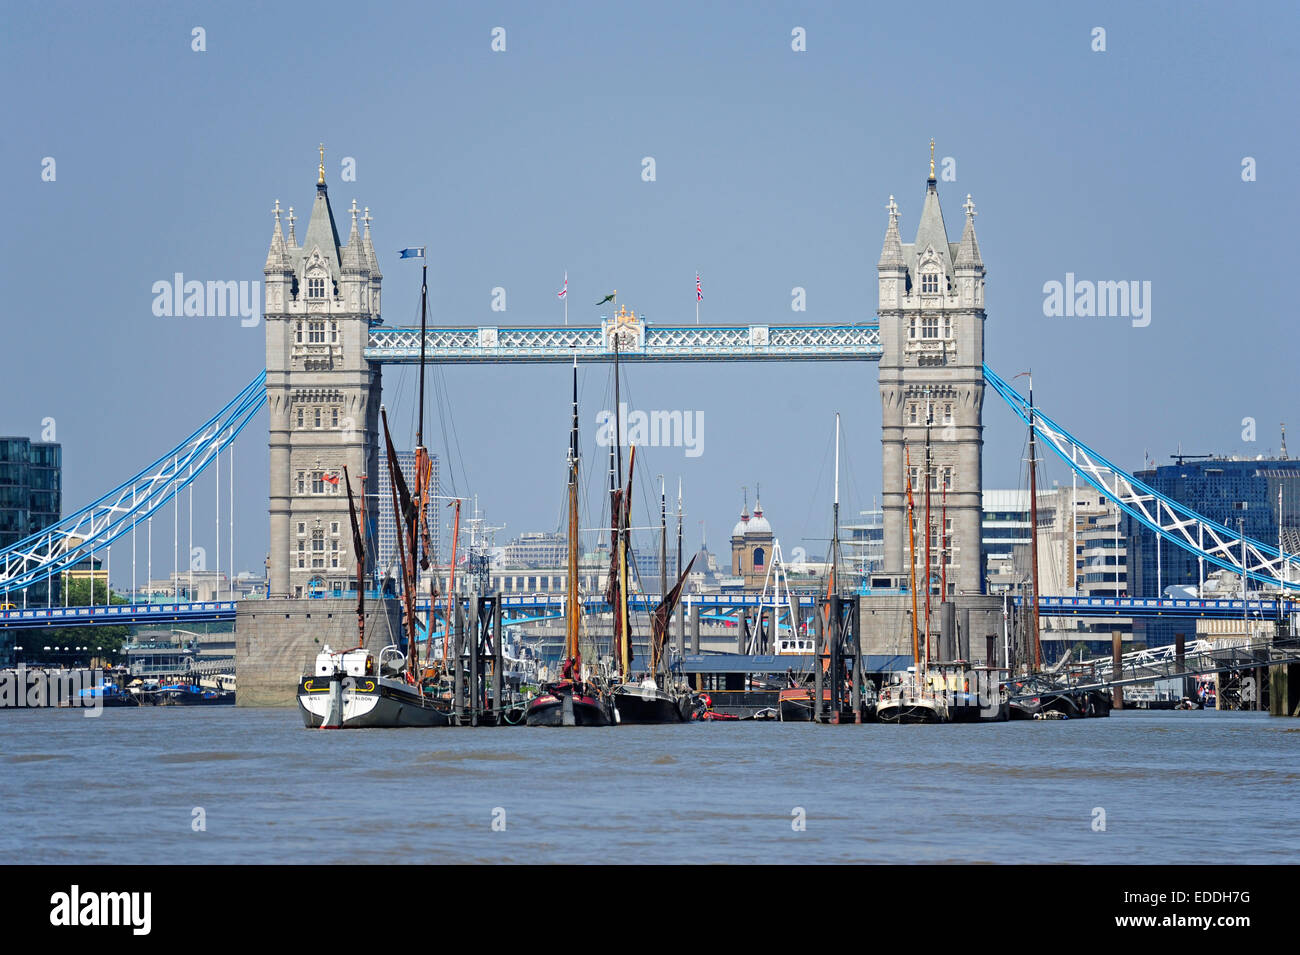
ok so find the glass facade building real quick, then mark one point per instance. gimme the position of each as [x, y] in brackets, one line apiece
[31, 499]
[1264, 493]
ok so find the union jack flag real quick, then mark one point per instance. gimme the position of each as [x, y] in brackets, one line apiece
[699, 292]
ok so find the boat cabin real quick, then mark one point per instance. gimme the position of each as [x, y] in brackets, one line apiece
[357, 662]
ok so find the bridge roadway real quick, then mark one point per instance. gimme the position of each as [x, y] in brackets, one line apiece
[640, 341]
[552, 605]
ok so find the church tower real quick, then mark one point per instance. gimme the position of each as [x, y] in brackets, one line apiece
[932, 335]
[322, 297]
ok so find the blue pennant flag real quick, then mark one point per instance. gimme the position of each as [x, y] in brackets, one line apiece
[412, 253]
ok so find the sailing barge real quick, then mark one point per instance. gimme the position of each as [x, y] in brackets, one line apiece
[574, 699]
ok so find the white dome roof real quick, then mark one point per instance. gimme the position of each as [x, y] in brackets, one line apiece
[741, 525]
[758, 524]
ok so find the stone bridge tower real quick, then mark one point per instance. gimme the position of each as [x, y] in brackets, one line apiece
[932, 332]
[322, 394]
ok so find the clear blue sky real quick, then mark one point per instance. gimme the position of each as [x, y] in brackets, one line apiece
[773, 170]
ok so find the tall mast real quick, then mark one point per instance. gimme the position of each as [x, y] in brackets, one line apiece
[929, 531]
[424, 302]
[571, 602]
[624, 647]
[835, 529]
[618, 423]
[663, 557]
[1033, 525]
[943, 545]
[681, 631]
[625, 511]
[359, 552]
[911, 549]
[420, 521]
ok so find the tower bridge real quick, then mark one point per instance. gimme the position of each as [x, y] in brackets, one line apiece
[327, 344]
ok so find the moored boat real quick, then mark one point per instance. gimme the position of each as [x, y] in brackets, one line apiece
[346, 682]
[573, 700]
[645, 702]
[909, 702]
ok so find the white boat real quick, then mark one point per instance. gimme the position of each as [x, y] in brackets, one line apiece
[911, 700]
[346, 690]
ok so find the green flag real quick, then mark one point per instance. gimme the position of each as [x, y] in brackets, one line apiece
[608, 298]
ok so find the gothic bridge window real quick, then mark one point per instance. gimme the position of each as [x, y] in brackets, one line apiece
[316, 287]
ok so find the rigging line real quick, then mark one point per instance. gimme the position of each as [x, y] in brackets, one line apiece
[817, 487]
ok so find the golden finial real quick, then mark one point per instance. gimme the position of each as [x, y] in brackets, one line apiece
[321, 180]
[931, 159]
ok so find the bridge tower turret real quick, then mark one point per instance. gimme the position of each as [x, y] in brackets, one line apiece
[932, 336]
[323, 396]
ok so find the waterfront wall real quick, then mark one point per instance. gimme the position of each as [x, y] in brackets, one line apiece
[887, 624]
[277, 640]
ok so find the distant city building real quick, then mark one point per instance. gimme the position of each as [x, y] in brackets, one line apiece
[31, 499]
[1226, 490]
[862, 543]
[751, 547]
[1079, 554]
[536, 549]
[1097, 567]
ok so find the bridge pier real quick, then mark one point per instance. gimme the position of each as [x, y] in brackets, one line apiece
[276, 641]
[1284, 690]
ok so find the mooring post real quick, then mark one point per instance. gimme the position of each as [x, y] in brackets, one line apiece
[1180, 656]
[820, 635]
[498, 678]
[475, 654]
[855, 627]
[681, 631]
[836, 637]
[1116, 668]
[695, 637]
[456, 661]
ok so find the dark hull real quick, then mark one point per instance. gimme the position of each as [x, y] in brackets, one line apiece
[561, 706]
[192, 699]
[909, 714]
[796, 709]
[637, 706]
[370, 703]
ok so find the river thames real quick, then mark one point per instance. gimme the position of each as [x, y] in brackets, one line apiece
[230, 785]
